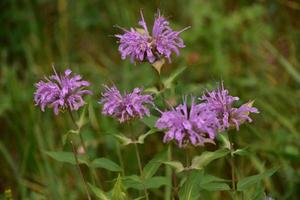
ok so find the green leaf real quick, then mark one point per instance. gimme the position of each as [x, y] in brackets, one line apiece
[118, 191]
[106, 164]
[152, 166]
[150, 121]
[98, 192]
[155, 182]
[67, 157]
[142, 138]
[133, 181]
[82, 120]
[223, 138]
[169, 81]
[123, 139]
[215, 187]
[178, 166]
[206, 157]
[250, 180]
[241, 152]
[190, 189]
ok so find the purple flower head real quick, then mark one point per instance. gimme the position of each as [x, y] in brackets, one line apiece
[196, 125]
[61, 92]
[127, 107]
[220, 102]
[140, 46]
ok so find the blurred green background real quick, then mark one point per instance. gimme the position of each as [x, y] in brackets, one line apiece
[253, 45]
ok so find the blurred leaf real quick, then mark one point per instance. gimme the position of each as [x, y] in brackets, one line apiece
[190, 189]
[216, 187]
[241, 152]
[150, 121]
[152, 166]
[133, 181]
[123, 139]
[169, 81]
[250, 180]
[82, 120]
[223, 138]
[155, 182]
[98, 192]
[158, 65]
[118, 191]
[178, 166]
[143, 137]
[67, 157]
[205, 158]
[106, 164]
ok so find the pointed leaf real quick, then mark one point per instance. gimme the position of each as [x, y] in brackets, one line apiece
[178, 166]
[169, 81]
[143, 137]
[150, 121]
[67, 157]
[250, 180]
[205, 158]
[98, 192]
[155, 182]
[106, 164]
[118, 191]
[152, 166]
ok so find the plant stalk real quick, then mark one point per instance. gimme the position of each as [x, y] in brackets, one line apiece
[80, 172]
[140, 168]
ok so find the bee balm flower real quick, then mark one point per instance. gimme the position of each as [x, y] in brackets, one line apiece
[140, 45]
[61, 92]
[124, 108]
[220, 102]
[196, 125]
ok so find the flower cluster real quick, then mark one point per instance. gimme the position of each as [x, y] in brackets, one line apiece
[195, 125]
[140, 45]
[127, 107]
[203, 121]
[61, 92]
[220, 102]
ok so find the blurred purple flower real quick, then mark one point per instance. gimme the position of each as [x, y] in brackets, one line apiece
[127, 107]
[196, 125]
[61, 92]
[140, 46]
[220, 102]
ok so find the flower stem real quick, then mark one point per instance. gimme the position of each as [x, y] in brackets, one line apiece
[119, 153]
[232, 164]
[80, 172]
[140, 167]
[93, 173]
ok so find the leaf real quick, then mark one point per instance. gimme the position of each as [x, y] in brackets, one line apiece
[155, 182]
[106, 164]
[250, 180]
[118, 191]
[143, 137]
[82, 120]
[178, 166]
[152, 166]
[98, 192]
[190, 189]
[168, 82]
[67, 157]
[158, 64]
[223, 138]
[150, 121]
[215, 187]
[241, 152]
[123, 139]
[133, 181]
[206, 157]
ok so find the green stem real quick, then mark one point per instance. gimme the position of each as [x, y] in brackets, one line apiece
[119, 153]
[233, 178]
[80, 172]
[140, 168]
[93, 171]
